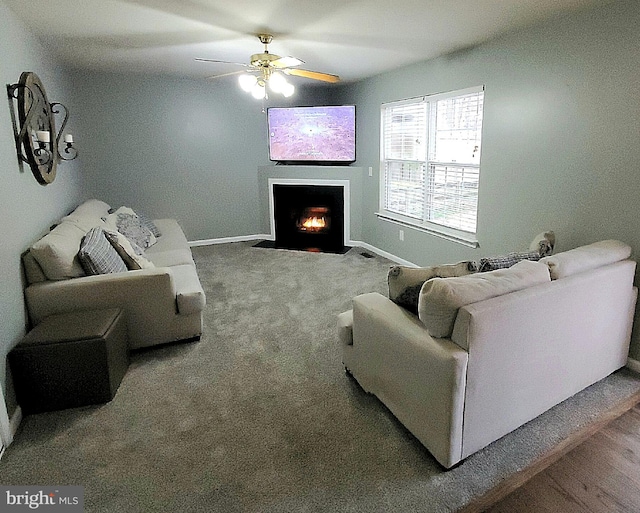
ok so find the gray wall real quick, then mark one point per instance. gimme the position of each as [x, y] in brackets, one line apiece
[28, 208]
[562, 120]
[182, 148]
[561, 133]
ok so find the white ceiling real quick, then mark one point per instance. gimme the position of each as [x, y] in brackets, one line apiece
[353, 39]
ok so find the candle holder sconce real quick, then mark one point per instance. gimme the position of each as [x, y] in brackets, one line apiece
[37, 142]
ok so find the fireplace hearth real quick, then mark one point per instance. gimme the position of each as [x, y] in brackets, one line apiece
[309, 217]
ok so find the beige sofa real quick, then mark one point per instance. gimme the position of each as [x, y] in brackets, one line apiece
[488, 352]
[163, 302]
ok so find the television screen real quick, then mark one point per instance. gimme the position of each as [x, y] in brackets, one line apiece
[312, 134]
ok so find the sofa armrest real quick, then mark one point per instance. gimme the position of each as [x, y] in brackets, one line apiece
[421, 379]
[345, 328]
[190, 296]
[144, 294]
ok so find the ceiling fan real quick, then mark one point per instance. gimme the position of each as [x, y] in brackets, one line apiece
[268, 68]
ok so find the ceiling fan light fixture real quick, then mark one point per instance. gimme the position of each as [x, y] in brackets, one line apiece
[288, 90]
[277, 82]
[247, 82]
[268, 68]
[258, 91]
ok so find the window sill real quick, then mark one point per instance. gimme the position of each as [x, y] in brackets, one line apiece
[451, 235]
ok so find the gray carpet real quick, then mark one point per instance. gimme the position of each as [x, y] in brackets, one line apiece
[259, 415]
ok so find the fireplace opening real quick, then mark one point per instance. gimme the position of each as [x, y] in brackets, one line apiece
[309, 217]
[314, 220]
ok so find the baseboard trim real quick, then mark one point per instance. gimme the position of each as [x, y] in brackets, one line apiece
[634, 365]
[226, 240]
[382, 253]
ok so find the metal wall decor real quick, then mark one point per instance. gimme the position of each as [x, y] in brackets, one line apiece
[37, 142]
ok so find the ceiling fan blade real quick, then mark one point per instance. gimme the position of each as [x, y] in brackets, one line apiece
[225, 75]
[286, 62]
[221, 62]
[314, 75]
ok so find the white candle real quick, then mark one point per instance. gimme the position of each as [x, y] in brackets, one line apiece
[43, 136]
[68, 138]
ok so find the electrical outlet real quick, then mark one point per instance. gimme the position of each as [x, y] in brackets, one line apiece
[401, 234]
[370, 171]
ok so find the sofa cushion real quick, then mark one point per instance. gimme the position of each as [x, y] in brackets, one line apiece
[132, 255]
[87, 215]
[32, 270]
[84, 222]
[440, 298]
[170, 257]
[405, 282]
[97, 255]
[172, 236]
[588, 257]
[57, 252]
[91, 208]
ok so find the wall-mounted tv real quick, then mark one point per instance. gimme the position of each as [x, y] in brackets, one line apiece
[312, 135]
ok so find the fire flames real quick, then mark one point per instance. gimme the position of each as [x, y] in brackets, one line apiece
[314, 220]
[314, 223]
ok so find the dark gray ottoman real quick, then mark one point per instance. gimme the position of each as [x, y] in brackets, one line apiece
[71, 360]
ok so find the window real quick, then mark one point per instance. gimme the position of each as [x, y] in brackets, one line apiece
[430, 162]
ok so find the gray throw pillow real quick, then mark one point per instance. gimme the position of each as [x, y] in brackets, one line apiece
[505, 261]
[149, 224]
[132, 228]
[97, 256]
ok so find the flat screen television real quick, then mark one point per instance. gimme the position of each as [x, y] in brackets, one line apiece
[318, 135]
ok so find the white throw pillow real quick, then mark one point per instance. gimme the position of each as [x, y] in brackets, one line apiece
[57, 252]
[91, 208]
[405, 282]
[588, 257]
[84, 222]
[440, 298]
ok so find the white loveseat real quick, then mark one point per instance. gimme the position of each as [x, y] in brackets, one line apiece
[162, 302]
[466, 371]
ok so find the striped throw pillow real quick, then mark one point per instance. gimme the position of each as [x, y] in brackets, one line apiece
[97, 255]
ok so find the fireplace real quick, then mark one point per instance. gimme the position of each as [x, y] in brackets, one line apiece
[309, 216]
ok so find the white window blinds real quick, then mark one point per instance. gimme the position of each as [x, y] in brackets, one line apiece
[431, 159]
[405, 150]
[405, 129]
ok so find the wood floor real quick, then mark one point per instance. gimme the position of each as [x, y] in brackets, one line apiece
[601, 474]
